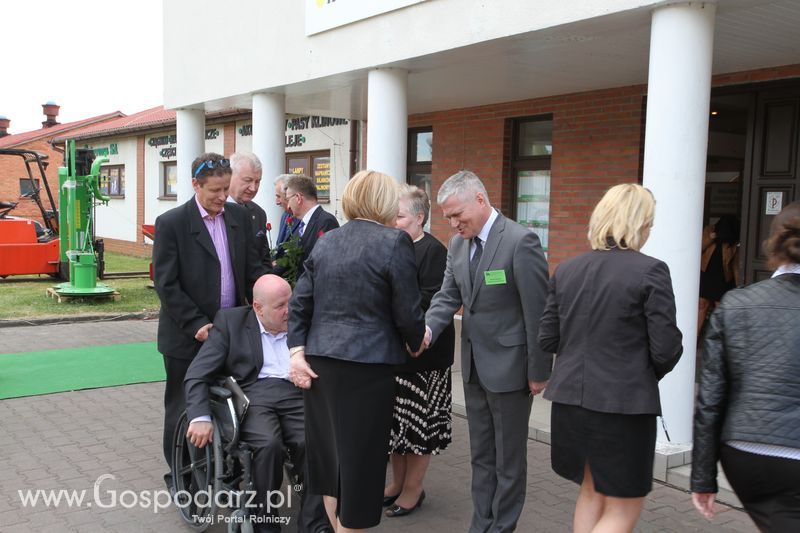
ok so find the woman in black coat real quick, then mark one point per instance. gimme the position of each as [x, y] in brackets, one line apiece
[748, 407]
[354, 312]
[610, 317]
[422, 423]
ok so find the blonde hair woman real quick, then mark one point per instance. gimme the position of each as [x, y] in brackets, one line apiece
[352, 314]
[610, 316]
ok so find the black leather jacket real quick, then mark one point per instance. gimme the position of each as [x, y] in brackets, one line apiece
[750, 380]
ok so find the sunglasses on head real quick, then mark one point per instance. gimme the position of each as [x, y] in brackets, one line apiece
[211, 164]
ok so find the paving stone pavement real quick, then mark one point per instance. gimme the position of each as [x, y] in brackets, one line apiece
[69, 440]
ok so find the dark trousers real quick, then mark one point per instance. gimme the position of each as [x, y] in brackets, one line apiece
[498, 441]
[174, 401]
[769, 488]
[274, 422]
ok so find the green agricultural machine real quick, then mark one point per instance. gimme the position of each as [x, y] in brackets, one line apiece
[79, 189]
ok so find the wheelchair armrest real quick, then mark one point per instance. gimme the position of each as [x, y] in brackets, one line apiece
[220, 392]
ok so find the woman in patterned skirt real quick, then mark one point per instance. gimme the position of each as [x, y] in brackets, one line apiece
[422, 424]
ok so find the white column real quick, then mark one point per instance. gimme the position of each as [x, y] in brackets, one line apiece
[676, 139]
[269, 144]
[191, 133]
[387, 122]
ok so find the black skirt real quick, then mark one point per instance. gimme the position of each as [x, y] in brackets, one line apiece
[348, 417]
[422, 424]
[618, 448]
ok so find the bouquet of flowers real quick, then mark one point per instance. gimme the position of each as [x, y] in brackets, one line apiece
[290, 258]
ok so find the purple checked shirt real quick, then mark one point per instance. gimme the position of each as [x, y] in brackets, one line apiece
[219, 236]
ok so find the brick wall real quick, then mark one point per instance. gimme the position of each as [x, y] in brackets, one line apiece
[597, 143]
[753, 76]
[229, 138]
[128, 247]
[12, 169]
[140, 198]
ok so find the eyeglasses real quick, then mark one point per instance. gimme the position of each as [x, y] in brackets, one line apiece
[211, 164]
[291, 196]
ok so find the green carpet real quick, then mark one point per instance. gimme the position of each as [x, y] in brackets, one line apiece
[32, 373]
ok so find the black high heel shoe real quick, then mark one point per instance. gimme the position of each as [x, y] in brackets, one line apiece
[389, 500]
[402, 511]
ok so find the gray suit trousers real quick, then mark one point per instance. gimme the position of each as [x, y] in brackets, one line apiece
[498, 439]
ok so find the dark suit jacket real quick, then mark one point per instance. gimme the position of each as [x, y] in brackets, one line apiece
[431, 256]
[233, 349]
[186, 273]
[500, 322]
[320, 221]
[610, 315]
[258, 219]
[359, 298]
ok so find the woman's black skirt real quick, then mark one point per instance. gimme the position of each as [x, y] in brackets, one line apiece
[618, 448]
[348, 414]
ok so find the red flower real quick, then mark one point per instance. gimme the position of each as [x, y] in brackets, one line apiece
[289, 221]
[320, 234]
[269, 226]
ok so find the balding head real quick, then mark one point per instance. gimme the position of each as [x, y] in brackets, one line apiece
[271, 295]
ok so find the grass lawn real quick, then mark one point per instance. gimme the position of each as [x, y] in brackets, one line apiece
[126, 263]
[25, 297]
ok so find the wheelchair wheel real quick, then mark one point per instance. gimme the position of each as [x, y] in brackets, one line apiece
[197, 475]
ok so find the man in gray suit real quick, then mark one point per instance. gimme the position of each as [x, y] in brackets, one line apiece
[496, 269]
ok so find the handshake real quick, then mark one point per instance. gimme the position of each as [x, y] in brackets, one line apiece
[426, 342]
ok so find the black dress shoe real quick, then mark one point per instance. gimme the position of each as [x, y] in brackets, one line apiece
[389, 500]
[402, 511]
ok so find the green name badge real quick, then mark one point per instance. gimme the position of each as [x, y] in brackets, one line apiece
[494, 277]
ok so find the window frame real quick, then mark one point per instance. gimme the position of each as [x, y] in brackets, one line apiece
[412, 165]
[521, 163]
[164, 194]
[28, 182]
[309, 159]
[106, 188]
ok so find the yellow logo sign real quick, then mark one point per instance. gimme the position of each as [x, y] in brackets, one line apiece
[320, 3]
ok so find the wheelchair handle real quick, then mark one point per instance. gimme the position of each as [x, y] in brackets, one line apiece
[220, 392]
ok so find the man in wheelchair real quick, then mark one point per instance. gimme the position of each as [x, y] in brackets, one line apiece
[249, 344]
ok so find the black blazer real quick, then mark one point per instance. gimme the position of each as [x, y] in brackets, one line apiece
[359, 297]
[431, 259]
[233, 349]
[186, 272]
[610, 315]
[258, 219]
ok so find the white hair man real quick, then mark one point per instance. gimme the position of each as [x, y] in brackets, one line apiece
[496, 269]
[245, 182]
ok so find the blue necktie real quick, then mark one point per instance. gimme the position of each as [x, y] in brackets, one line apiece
[476, 258]
[300, 227]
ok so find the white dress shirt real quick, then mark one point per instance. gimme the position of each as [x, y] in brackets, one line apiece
[484, 233]
[276, 360]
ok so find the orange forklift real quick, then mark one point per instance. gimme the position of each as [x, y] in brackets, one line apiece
[28, 246]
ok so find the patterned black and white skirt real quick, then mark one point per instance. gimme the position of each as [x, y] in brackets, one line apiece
[422, 424]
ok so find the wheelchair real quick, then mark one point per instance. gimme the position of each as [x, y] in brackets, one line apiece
[219, 475]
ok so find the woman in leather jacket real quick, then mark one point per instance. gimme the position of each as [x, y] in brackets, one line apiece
[748, 406]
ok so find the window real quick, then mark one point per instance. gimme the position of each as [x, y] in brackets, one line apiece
[420, 158]
[315, 165]
[112, 180]
[532, 150]
[25, 186]
[169, 179]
